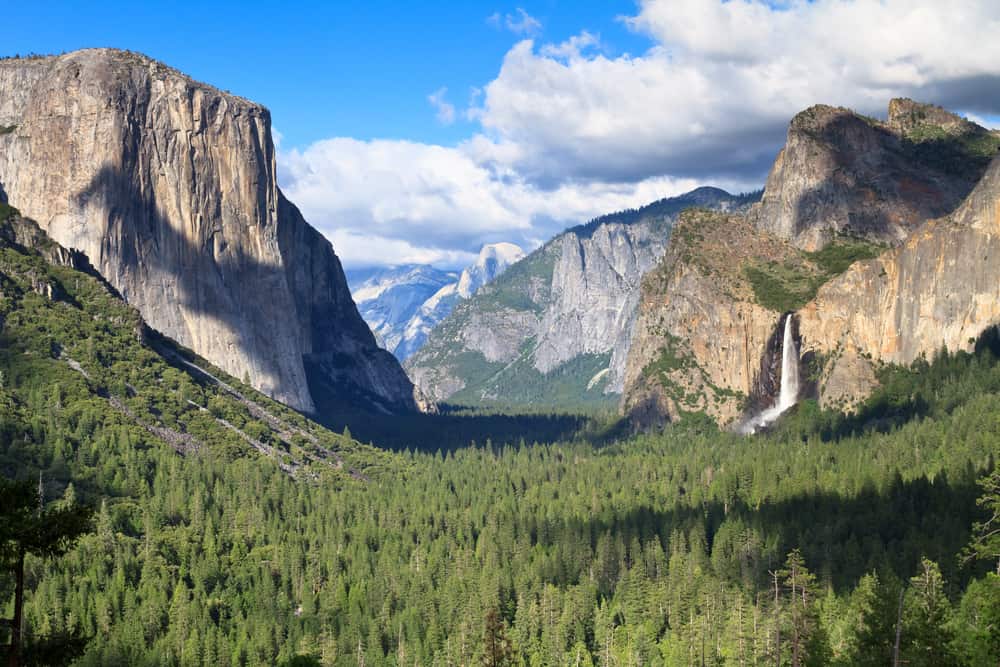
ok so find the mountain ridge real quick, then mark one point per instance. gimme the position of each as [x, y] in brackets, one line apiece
[168, 186]
[705, 336]
[571, 301]
[403, 304]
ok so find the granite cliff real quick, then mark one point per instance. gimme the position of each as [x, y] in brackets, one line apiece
[844, 173]
[841, 239]
[554, 330]
[403, 304]
[938, 290]
[168, 187]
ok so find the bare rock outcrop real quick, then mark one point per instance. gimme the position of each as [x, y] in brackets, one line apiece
[843, 173]
[939, 290]
[168, 186]
[700, 336]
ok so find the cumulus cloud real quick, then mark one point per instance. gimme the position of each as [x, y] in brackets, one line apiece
[388, 202]
[715, 92]
[519, 23]
[445, 110]
[568, 130]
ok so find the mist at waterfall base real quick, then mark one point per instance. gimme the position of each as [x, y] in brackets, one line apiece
[788, 394]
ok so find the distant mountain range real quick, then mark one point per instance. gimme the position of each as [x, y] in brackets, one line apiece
[402, 304]
[554, 330]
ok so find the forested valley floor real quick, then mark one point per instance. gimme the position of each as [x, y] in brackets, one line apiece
[689, 546]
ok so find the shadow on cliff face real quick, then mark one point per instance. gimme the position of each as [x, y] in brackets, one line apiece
[883, 180]
[341, 362]
[290, 318]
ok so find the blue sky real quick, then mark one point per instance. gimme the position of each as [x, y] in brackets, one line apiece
[580, 108]
[357, 69]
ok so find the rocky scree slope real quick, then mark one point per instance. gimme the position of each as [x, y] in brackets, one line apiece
[168, 187]
[843, 192]
[554, 329]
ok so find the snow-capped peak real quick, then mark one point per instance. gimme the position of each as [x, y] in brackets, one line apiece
[493, 259]
[402, 304]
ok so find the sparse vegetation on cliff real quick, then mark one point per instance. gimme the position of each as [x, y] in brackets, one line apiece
[7, 211]
[789, 285]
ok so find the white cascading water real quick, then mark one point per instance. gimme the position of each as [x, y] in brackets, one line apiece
[788, 393]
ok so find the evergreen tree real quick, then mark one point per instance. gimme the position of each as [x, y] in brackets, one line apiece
[986, 534]
[800, 612]
[27, 527]
[496, 647]
[926, 632]
[873, 614]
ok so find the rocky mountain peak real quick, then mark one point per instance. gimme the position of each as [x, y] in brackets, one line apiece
[493, 259]
[818, 118]
[403, 304]
[168, 186]
[905, 115]
[842, 173]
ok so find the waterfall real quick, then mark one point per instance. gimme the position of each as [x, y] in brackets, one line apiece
[788, 392]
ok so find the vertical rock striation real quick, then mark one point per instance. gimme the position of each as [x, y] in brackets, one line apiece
[699, 336]
[168, 186]
[560, 320]
[843, 173]
[939, 290]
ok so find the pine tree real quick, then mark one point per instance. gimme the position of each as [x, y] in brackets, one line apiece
[27, 527]
[926, 634]
[496, 647]
[986, 534]
[800, 610]
[873, 612]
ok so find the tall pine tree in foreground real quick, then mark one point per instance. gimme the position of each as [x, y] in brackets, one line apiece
[27, 527]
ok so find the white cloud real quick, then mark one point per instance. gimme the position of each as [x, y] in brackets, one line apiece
[569, 132]
[519, 23]
[389, 202]
[715, 92]
[573, 48]
[445, 110]
[362, 249]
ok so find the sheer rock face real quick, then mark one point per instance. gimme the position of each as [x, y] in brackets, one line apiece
[168, 186]
[699, 337]
[594, 294]
[940, 289]
[576, 297]
[700, 341]
[841, 172]
[584, 304]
